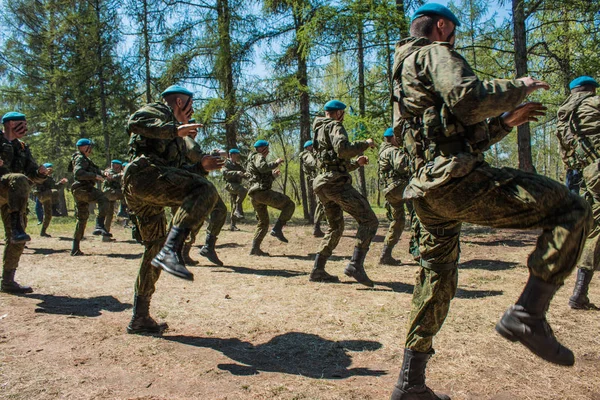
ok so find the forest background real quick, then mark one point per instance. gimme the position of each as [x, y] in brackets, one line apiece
[264, 69]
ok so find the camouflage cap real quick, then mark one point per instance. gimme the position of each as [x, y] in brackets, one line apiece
[583, 81]
[435, 9]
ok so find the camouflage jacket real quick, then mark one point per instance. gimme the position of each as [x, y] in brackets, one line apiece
[18, 159]
[393, 170]
[113, 181]
[443, 114]
[260, 172]
[48, 185]
[309, 164]
[334, 152]
[84, 172]
[578, 129]
[230, 172]
[153, 134]
[194, 156]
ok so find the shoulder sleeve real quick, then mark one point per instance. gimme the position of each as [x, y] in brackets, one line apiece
[154, 122]
[81, 169]
[342, 146]
[588, 114]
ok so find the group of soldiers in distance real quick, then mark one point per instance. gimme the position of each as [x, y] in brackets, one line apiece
[445, 118]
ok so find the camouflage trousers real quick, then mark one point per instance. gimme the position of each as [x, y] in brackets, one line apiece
[314, 204]
[48, 198]
[340, 198]
[261, 199]
[83, 197]
[499, 198]
[216, 220]
[14, 191]
[112, 195]
[148, 189]
[415, 231]
[590, 258]
[396, 215]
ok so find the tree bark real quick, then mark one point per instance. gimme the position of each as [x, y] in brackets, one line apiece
[224, 72]
[362, 184]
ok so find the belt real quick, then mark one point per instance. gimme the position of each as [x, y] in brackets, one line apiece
[438, 267]
[443, 232]
[334, 168]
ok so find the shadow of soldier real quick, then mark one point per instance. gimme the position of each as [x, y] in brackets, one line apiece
[294, 353]
[282, 273]
[65, 305]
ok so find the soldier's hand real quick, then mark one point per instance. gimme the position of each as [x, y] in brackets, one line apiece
[370, 142]
[64, 180]
[533, 84]
[42, 170]
[99, 178]
[187, 129]
[362, 160]
[49, 170]
[211, 163]
[280, 161]
[20, 128]
[241, 173]
[276, 172]
[526, 112]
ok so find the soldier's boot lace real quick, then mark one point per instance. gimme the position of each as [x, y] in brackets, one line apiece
[525, 322]
[256, 251]
[386, 256]
[317, 232]
[9, 285]
[579, 300]
[75, 251]
[208, 250]
[318, 273]
[277, 231]
[100, 229]
[169, 257]
[356, 269]
[411, 383]
[141, 321]
[185, 253]
[17, 232]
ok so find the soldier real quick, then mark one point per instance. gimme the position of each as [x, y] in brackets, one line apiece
[111, 187]
[578, 131]
[309, 166]
[234, 173]
[85, 176]
[157, 177]
[333, 186]
[393, 174]
[16, 166]
[262, 174]
[447, 118]
[47, 193]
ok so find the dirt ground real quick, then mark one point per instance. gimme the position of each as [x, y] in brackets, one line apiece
[257, 329]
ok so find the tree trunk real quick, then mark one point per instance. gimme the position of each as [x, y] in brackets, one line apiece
[224, 72]
[305, 131]
[100, 66]
[146, 50]
[362, 184]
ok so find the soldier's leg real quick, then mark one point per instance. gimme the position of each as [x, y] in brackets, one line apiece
[242, 192]
[110, 211]
[11, 257]
[82, 212]
[103, 204]
[281, 202]
[262, 227]
[47, 205]
[233, 204]
[217, 220]
[318, 217]
[335, 216]
[17, 191]
[187, 247]
[39, 210]
[397, 223]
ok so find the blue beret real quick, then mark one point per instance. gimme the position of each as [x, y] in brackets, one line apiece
[308, 143]
[83, 142]
[13, 116]
[389, 132]
[582, 81]
[176, 89]
[117, 162]
[234, 151]
[435, 9]
[261, 143]
[48, 165]
[333, 105]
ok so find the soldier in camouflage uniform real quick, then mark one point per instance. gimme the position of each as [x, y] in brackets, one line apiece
[16, 167]
[47, 193]
[234, 173]
[309, 166]
[578, 130]
[333, 186]
[447, 118]
[393, 174]
[85, 176]
[159, 176]
[111, 187]
[261, 175]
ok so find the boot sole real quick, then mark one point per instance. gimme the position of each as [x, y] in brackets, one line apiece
[284, 240]
[212, 260]
[366, 283]
[9, 291]
[331, 280]
[158, 264]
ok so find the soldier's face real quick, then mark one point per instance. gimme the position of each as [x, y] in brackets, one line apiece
[235, 157]
[117, 167]
[309, 148]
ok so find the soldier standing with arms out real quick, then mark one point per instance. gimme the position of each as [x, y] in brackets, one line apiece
[578, 131]
[111, 187]
[393, 173]
[333, 186]
[157, 177]
[262, 174]
[16, 166]
[47, 193]
[449, 118]
[234, 173]
[85, 175]
[309, 166]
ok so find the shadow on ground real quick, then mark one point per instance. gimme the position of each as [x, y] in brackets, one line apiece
[400, 287]
[46, 252]
[489, 265]
[294, 353]
[65, 305]
[128, 256]
[282, 273]
[505, 242]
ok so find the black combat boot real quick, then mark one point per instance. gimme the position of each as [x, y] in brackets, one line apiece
[525, 322]
[43, 233]
[277, 232]
[356, 269]
[256, 251]
[17, 234]
[10, 286]
[169, 258]
[579, 300]
[317, 232]
[239, 212]
[318, 273]
[185, 253]
[141, 321]
[208, 250]
[100, 229]
[386, 256]
[75, 251]
[411, 383]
